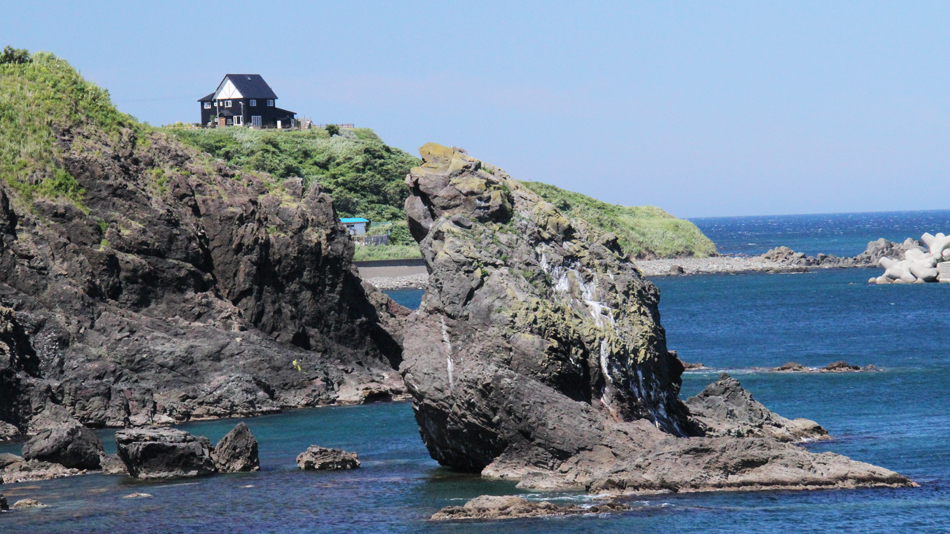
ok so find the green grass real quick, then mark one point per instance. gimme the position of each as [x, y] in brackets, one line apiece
[643, 231]
[364, 176]
[386, 252]
[37, 96]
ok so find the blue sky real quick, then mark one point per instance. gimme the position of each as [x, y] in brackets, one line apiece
[701, 108]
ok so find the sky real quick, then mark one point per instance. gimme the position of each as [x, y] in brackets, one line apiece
[700, 108]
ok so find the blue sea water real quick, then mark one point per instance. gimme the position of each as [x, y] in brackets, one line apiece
[896, 418]
[841, 234]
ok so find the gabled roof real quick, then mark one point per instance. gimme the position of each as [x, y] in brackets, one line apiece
[208, 98]
[249, 85]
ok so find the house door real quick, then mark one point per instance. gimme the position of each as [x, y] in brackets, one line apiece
[221, 121]
[238, 120]
[256, 121]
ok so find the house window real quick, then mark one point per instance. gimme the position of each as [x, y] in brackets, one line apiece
[253, 102]
[207, 105]
[270, 103]
[256, 121]
[227, 103]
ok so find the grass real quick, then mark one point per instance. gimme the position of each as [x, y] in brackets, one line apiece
[642, 231]
[386, 252]
[37, 96]
[364, 176]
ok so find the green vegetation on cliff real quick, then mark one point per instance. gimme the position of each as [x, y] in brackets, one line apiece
[364, 176]
[40, 94]
[644, 231]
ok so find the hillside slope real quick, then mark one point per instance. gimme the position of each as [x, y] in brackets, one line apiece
[363, 174]
[142, 281]
[643, 231]
[366, 177]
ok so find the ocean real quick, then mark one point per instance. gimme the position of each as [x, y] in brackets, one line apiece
[896, 418]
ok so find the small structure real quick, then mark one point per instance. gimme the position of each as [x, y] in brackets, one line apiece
[244, 100]
[355, 225]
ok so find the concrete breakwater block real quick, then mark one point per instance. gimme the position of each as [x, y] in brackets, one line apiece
[919, 265]
[943, 271]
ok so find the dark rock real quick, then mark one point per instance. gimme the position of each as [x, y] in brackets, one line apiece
[3, 503]
[537, 355]
[792, 366]
[113, 465]
[237, 451]
[869, 258]
[724, 408]
[691, 366]
[6, 459]
[69, 444]
[676, 269]
[164, 453]
[179, 288]
[8, 431]
[841, 367]
[27, 503]
[488, 507]
[317, 458]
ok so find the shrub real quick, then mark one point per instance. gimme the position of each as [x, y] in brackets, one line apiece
[399, 235]
[333, 129]
[14, 56]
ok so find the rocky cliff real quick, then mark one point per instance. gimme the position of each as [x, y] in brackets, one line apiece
[538, 355]
[160, 285]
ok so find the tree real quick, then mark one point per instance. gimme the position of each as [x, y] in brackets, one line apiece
[14, 56]
[333, 129]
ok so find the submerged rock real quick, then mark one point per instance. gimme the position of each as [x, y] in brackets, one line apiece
[3, 503]
[164, 453]
[34, 470]
[69, 444]
[237, 451]
[28, 503]
[537, 354]
[489, 507]
[724, 408]
[317, 458]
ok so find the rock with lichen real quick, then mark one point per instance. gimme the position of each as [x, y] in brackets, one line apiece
[537, 354]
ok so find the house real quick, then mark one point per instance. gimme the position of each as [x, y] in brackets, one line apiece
[355, 225]
[244, 100]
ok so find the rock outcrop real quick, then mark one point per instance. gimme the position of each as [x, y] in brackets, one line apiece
[488, 507]
[237, 451]
[164, 453]
[317, 458]
[4, 505]
[174, 288]
[870, 257]
[834, 367]
[724, 408]
[537, 354]
[69, 444]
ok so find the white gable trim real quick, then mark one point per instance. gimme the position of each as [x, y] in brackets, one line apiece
[227, 90]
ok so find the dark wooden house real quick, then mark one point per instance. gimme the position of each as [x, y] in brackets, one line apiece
[244, 100]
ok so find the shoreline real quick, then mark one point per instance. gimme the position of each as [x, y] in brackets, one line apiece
[387, 281]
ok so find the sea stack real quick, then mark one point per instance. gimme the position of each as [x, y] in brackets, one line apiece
[537, 354]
